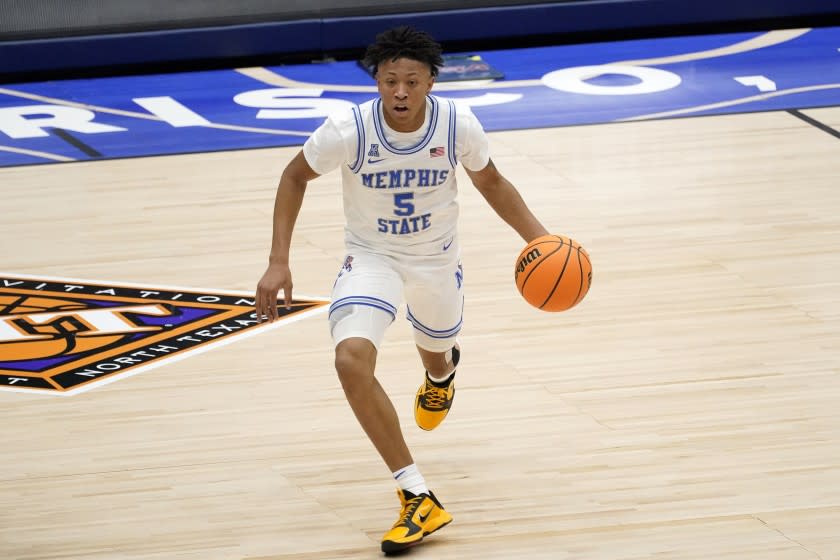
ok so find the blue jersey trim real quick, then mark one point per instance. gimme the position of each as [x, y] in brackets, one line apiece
[452, 121]
[446, 333]
[380, 130]
[360, 138]
[364, 300]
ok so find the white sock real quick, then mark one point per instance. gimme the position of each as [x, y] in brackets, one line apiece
[443, 379]
[446, 377]
[409, 478]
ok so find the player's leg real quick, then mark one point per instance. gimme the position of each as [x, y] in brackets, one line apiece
[435, 299]
[355, 359]
[440, 366]
[365, 297]
[435, 312]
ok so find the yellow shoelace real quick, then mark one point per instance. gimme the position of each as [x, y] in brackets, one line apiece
[435, 396]
[408, 510]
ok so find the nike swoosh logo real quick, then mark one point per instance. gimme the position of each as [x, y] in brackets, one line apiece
[424, 516]
[447, 245]
[375, 160]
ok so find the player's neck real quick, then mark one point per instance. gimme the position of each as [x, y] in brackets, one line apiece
[406, 127]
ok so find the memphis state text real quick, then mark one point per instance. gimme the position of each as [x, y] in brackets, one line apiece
[406, 222]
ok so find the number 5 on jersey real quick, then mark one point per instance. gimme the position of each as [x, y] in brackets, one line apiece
[407, 221]
[403, 204]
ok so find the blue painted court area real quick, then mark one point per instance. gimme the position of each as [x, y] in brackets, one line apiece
[280, 106]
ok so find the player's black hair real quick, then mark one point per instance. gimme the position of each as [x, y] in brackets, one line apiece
[404, 42]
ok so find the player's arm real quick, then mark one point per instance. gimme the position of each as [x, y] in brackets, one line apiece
[506, 201]
[287, 205]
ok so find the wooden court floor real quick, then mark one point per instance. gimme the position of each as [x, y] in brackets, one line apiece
[687, 409]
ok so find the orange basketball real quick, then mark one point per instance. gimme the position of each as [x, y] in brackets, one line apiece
[553, 273]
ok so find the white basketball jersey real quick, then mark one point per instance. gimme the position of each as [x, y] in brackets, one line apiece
[399, 188]
[402, 198]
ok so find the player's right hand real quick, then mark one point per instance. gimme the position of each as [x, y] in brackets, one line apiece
[276, 277]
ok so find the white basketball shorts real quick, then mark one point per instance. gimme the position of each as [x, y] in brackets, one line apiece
[371, 287]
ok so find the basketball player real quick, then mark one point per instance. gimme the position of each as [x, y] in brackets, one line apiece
[397, 155]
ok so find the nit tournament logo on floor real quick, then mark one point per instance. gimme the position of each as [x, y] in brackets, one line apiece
[65, 336]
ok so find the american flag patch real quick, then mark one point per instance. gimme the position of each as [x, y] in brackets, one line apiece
[437, 152]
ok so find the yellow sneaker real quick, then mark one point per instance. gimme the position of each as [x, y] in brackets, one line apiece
[420, 516]
[433, 400]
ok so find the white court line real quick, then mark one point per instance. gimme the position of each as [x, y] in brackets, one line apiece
[271, 78]
[730, 103]
[139, 285]
[65, 103]
[146, 116]
[36, 153]
[204, 347]
[268, 77]
[768, 39]
[252, 331]
[762, 41]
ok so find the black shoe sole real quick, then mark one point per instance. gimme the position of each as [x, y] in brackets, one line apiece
[392, 548]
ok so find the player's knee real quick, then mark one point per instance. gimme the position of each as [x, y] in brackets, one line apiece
[354, 362]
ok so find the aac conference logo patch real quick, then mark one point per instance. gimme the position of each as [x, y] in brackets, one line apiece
[66, 336]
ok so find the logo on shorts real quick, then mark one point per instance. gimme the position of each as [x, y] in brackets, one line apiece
[66, 336]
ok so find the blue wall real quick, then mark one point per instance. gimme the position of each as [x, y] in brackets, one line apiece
[325, 35]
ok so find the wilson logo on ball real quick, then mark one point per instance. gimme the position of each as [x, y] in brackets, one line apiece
[532, 255]
[553, 273]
